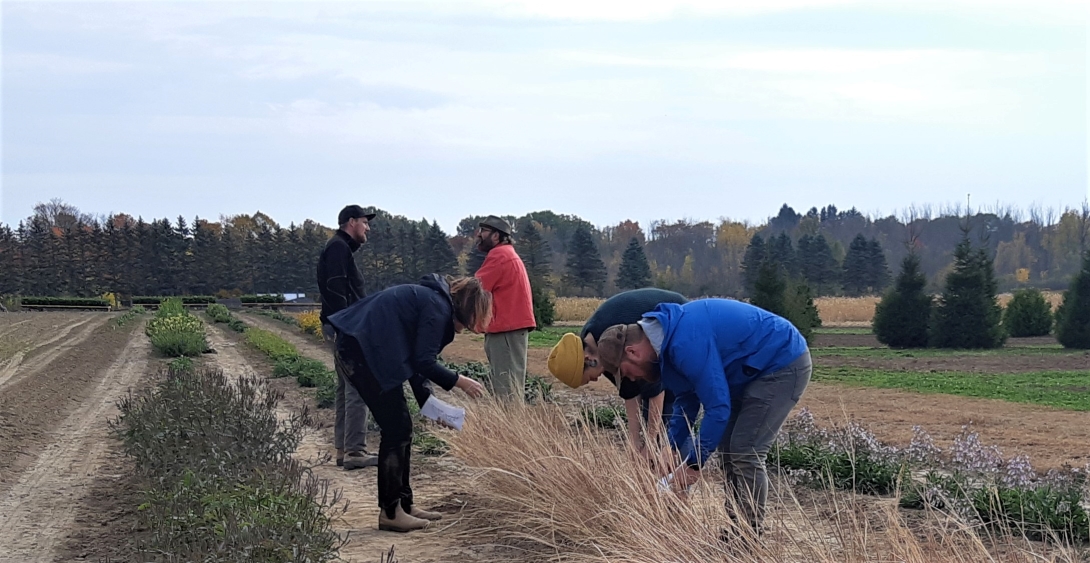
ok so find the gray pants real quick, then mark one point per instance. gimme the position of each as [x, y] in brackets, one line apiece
[755, 419]
[506, 353]
[350, 422]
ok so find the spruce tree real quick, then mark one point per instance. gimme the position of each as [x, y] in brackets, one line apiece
[439, 257]
[877, 270]
[781, 251]
[752, 261]
[585, 268]
[769, 287]
[968, 314]
[634, 272]
[1073, 317]
[536, 256]
[856, 266]
[791, 299]
[902, 317]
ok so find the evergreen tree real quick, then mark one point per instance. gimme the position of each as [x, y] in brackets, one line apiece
[474, 260]
[877, 270]
[634, 271]
[856, 267]
[438, 255]
[817, 264]
[902, 317]
[752, 261]
[585, 268]
[769, 287]
[781, 251]
[9, 266]
[1028, 314]
[537, 257]
[1073, 317]
[791, 299]
[968, 315]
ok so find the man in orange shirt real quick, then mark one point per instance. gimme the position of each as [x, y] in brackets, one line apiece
[504, 275]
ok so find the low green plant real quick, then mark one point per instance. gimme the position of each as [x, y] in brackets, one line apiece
[307, 372]
[64, 301]
[277, 315]
[236, 325]
[271, 345]
[605, 416]
[175, 344]
[171, 307]
[129, 316]
[219, 313]
[264, 299]
[174, 332]
[182, 364]
[538, 389]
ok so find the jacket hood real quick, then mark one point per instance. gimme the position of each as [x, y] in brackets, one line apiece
[667, 314]
[436, 283]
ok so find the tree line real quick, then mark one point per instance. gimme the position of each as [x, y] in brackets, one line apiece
[61, 251]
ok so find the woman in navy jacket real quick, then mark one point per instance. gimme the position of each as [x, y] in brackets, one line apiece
[395, 336]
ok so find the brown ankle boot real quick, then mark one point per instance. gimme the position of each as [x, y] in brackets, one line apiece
[425, 514]
[401, 522]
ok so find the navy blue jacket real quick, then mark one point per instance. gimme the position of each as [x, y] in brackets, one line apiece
[399, 333]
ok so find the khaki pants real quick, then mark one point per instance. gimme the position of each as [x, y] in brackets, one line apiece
[350, 420]
[506, 353]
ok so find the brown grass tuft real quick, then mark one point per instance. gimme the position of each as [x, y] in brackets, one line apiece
[561, 491]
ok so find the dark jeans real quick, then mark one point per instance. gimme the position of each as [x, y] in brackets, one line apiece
[756, 416]
[391, 413]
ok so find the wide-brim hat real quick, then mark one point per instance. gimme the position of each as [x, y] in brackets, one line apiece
[496, 224]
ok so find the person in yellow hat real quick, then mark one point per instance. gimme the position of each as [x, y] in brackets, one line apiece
[574, 361]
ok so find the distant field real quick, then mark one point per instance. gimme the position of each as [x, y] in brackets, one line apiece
[835, 312]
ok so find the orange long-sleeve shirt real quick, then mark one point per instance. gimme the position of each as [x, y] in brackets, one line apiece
[504, 275]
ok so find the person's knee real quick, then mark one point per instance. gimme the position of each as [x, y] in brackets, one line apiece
[746, 461]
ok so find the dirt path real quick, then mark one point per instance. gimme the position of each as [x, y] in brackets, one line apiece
[434, 479]
[37, 511]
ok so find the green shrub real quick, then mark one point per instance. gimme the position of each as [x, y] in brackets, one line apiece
[129, 316]
[186, 299]
[236, 325]
[177, 343]
[219, 313]
[171, 307]
[65, 301]
[538, 389]
[277, 315]
[605, 416]
[308, 372]
[1028, 314]
[262, 299]
[902, 317]
[544, 305]
[182, 364]
[1073, 316]
[790, 299]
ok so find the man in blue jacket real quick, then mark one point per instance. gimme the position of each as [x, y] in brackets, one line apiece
[747, 368]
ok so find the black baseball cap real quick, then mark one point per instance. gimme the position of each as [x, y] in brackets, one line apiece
[353, 212]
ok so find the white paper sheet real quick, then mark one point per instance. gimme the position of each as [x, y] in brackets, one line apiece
[444, 412]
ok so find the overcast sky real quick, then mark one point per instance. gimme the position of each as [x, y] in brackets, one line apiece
[608, 110]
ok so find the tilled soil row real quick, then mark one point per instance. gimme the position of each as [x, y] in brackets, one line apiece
[54, 436]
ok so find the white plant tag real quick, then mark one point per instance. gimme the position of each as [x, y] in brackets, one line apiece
[444, 412]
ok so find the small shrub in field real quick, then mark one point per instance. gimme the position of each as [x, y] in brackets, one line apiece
[538, 389]
[236, 325]
[174, 332]
[171, 307]
[277, 315]
[310, 322]
[605, 416]
[1073, 316]
[473, 370]
[544, 305]
[182, 364]
[307, 372]
[175, 344]
[903, 316]
[271, 345]
[1028, 314]
[129, 316]
[219, 313]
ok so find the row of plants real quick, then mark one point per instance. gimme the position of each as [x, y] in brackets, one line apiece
[186, 299]
[176, 332]
[288, 362]
[65, 301]
[221, 314]
[969, 478]
[277, 315]
[219, 479]
[310, 322]
[968, 314]
[129, 316]
[263, 299]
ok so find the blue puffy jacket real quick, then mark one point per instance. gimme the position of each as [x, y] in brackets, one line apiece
[711, 350]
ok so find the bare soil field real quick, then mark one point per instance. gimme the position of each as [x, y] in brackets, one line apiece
[59, 387]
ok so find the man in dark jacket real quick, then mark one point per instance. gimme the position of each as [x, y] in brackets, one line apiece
[341, 284]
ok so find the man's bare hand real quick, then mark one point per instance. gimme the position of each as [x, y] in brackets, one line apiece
[471, 387]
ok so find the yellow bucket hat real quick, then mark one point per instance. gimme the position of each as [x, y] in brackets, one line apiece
[566, 360]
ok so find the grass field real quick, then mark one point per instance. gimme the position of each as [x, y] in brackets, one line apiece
[1060, 389]
[883, 352]
[547, 337]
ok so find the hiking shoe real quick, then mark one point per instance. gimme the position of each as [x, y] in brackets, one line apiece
[401, 522]
[424, 514]
[358, 460]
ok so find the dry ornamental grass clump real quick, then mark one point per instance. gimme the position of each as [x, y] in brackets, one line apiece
[561, 490]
